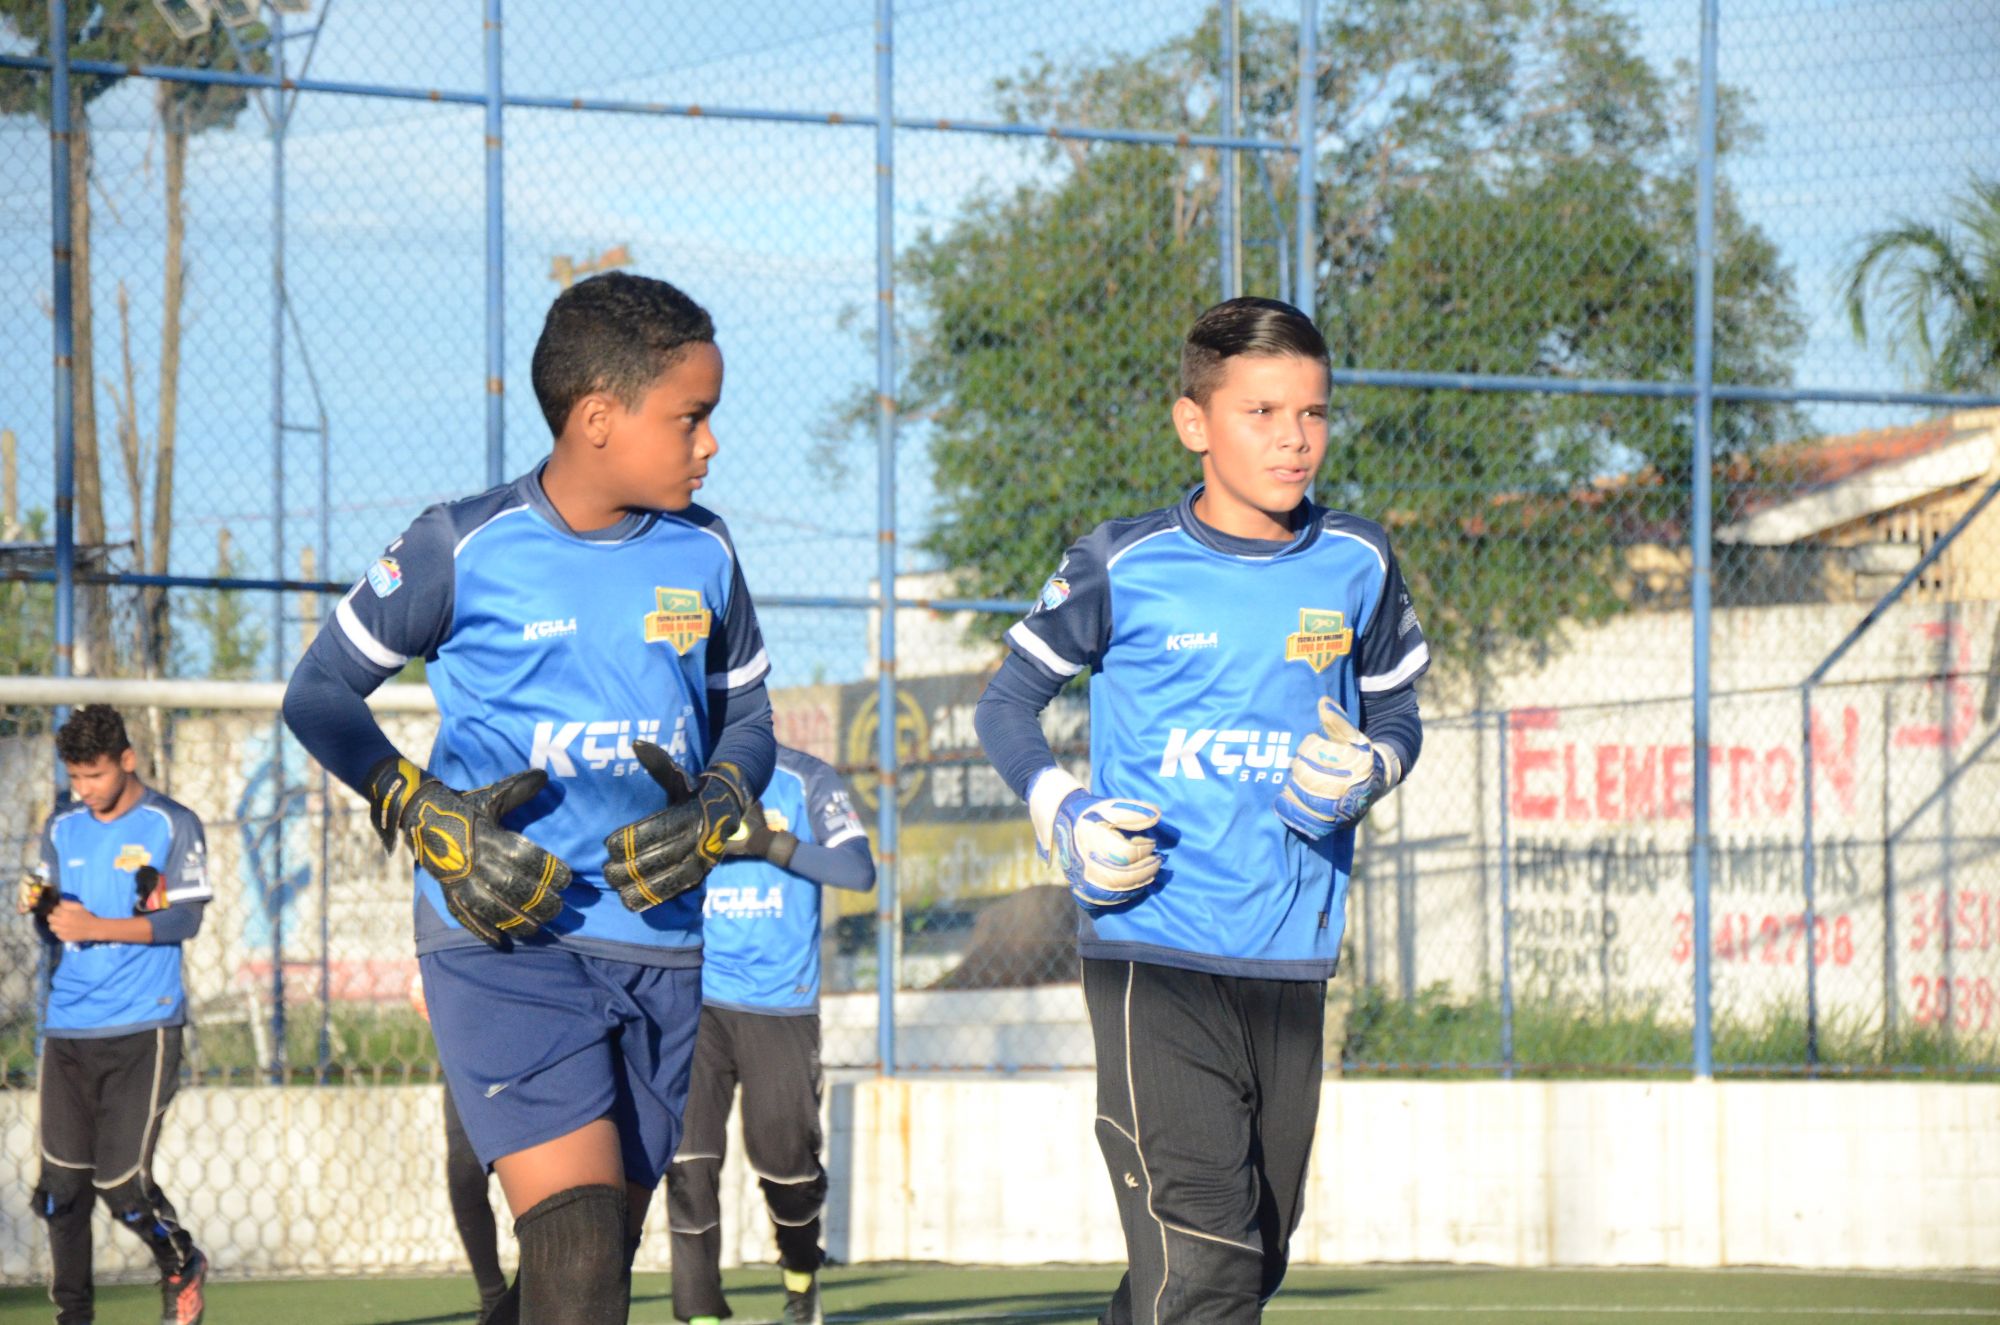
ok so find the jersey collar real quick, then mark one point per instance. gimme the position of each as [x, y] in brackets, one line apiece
[629, 525]
[1250, 549]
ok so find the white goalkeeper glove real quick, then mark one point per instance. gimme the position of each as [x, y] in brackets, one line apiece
[1337, 775]
[1101, 845]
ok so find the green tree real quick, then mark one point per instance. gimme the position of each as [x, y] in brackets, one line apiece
[1504, 186]
[27, 614]
[128, 32]
[1938, 289]
[233, 641]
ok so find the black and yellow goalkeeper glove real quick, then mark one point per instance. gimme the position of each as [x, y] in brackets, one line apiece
[665, 854]
[758, 840]
[34, 895]
[497, 883]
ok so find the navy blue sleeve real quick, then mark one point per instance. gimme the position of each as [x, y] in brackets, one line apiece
[834, 820]
[742, 734]
[736, 655]
[1067, 630]
[185, 870]
[851, 866]
[834, 853]
[1393, 651]
[1391, 719]
[401, 609]
[327, 711]
[176, 924]
[1008, 721]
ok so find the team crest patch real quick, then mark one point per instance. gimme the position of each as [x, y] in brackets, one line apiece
[131, 856]
[385, 577]
[776, 820]
[679, 619]
[1055, 593]
[1322, 637]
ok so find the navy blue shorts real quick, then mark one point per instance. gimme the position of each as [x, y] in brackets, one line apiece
[540, 1041]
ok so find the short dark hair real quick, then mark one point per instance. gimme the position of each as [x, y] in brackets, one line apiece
[1265, 328]
[92, 731]
[617, 333]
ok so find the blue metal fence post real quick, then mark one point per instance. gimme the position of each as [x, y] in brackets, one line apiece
[280, 119]
[1231, 279]
[65, 328]
[65, 415]
[1702, 532]
[1306, 280]
[1506, 907]
[496, 258]
[889, 912]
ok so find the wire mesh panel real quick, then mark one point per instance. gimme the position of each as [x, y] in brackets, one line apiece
[301, 974]
[283, 307]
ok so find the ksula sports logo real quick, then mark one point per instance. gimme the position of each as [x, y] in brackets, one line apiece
[555, 745]
[1236, 754]
[746, 903]
[536, 631]
[1193, 639]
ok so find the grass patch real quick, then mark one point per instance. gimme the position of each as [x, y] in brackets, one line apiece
[1438, 1031]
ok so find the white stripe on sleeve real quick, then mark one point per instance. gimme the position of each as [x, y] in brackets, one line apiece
[360, 637]
[1413, 662]
[736, 678]
[1028, 642]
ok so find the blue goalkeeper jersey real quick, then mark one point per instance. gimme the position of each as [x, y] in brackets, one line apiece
[1209, 656]
[761, 924]
[105, 989]
[555, 650]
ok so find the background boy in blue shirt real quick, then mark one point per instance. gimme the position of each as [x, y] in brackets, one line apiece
[760, 1028]
[588, 633]
[1234, 640]
[120, 887]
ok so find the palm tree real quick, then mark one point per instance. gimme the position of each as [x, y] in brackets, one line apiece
[1939, 289]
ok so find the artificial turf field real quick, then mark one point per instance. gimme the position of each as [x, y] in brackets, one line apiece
[1072, 1296]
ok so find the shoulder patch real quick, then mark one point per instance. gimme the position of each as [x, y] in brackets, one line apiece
[1054, 594]
[385, 577]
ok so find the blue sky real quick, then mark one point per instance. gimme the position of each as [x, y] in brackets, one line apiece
[1868, 110]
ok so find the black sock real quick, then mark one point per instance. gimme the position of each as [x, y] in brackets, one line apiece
[573, 1259]
[504, 1309]
[476, 1233]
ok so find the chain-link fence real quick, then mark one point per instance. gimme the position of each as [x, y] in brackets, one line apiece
[295, 318]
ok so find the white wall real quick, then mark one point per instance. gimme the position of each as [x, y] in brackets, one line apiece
[1891, 1175]
[1591, 794]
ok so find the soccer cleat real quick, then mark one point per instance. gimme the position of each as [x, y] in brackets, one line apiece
[181, 1294]
[802, 1305]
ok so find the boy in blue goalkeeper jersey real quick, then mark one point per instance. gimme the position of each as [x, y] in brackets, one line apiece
[603, 725]
[121, 886]
[760, 1030]
[1253, 657]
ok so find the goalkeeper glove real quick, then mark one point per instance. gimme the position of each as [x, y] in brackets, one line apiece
[150, 893]
[496, 882]
[755, 838]
[1101, 845]
[34, 894]
[665, 854]
[1337, 775]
